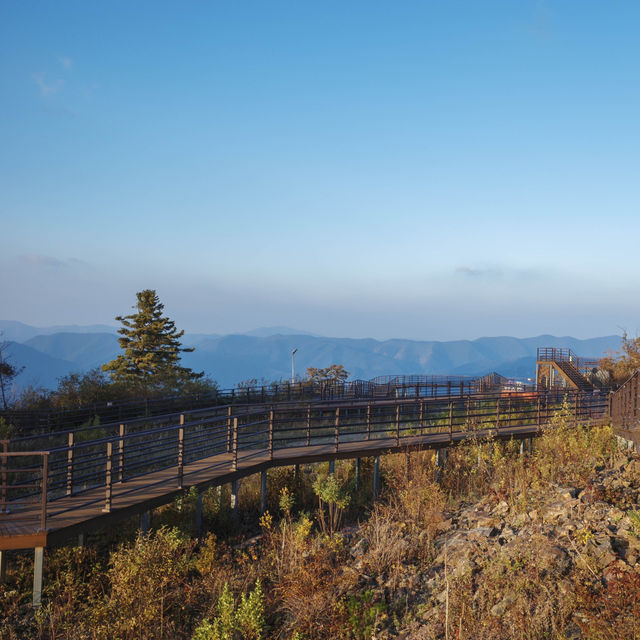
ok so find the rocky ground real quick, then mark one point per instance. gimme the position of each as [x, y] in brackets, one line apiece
[500, 570]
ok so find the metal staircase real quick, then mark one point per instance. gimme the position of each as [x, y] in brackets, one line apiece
[558, 368]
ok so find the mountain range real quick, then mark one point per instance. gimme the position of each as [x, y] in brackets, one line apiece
[47, 353]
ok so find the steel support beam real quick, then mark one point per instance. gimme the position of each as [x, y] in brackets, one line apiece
[38, 566]
[376, 476]
[263, 492]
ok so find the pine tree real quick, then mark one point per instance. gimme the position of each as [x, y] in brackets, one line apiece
[152, 349]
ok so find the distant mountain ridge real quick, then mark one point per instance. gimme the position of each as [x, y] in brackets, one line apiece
[230, 359]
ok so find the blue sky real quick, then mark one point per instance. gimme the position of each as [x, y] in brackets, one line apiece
[429, 170]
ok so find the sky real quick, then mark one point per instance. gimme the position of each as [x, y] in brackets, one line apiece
[425, 170]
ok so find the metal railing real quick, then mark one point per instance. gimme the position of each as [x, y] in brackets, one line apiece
[555, 354]
[20, 475]
[624, 404]
[222, 443]
[112, 412]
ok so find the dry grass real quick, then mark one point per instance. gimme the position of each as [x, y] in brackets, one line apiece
[315, 585]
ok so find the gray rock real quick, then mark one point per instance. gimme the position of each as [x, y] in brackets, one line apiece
[499, 609]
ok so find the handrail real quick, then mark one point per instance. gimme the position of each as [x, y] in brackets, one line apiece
[7, 473]
[142, 409]
[561, 354]
[106, 461]
[624, 403]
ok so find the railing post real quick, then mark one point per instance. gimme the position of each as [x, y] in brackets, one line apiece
[498, 413]
[337, 429]
[397, 425]
[538, 413]
[235, 444]
[271, 426]
[3, 496]
[122, 432]
[450, 419]
[70, 450]
[369, 421]
[181, 452]
[308, 424]
[45, 482]
[229, 410]
[108, 479]
[421, 415]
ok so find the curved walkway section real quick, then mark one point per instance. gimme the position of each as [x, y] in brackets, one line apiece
[99, 477]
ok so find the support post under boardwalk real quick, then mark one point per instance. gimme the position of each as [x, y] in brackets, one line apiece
[530, 446]
[82, 539]
[356, 473]
[145, 519]
[199, 515]
[439, 458]
[332, 467]
[234, 498]
[376, 476]
[522, 447]
[38, 566]
[3, 566]
[263, 492]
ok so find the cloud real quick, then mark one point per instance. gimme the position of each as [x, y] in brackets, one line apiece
[508, 274]
[67, 63]
[42, 261]
[471, 272]
[47, 88]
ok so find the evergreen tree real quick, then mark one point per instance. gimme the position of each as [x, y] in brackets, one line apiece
[152, 349]
[8, 372]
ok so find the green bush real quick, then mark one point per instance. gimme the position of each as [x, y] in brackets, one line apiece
[246, 621]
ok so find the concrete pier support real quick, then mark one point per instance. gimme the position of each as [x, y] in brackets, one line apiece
[82, 539]
[356, 473]
[263, 492]
[199, 515]
[376, 476]
[38, 566]
[522, 447]
[3, 566]
[235, 485]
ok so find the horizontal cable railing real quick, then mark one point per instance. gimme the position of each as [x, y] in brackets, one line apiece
[110, 412]
[172, 455]
[555, 354]
[624, 405]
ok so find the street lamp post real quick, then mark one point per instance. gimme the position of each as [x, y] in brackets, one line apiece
[293, 371]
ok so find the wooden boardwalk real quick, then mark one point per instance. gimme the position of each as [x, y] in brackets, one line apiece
[71, 515]
[97, 479]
